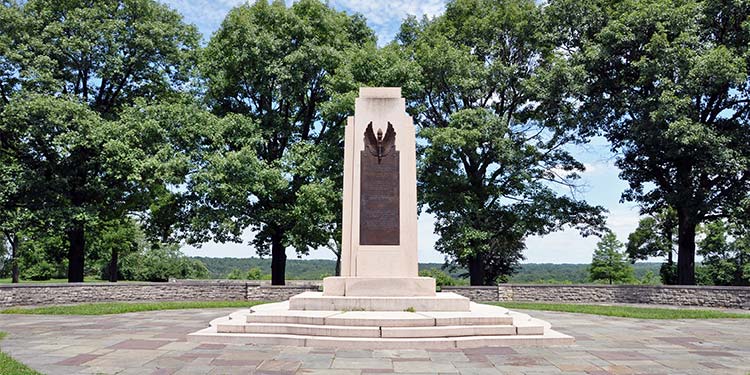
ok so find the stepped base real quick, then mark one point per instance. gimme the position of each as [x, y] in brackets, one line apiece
[548, 338]
[480, 325]
[320, 302]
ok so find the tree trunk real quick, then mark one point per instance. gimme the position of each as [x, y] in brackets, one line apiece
[278, 260]
[338, 264]
[76, 252]
[113, 266]
[476, 270]
[669, 258]
[15, 273]
[686, 248]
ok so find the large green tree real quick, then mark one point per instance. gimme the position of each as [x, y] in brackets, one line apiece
[271, 64]
[491, 109]
[14, 209]
[666, 82]
[77, 173]
[101, 55]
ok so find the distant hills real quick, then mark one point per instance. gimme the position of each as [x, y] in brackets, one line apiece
[314, 269]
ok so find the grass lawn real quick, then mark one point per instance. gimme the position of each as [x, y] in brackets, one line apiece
[9, 365]
[626, 311]
[125, 307]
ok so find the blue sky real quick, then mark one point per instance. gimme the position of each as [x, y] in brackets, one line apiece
[600, 183]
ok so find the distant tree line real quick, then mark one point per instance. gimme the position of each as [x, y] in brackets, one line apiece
[115, 123]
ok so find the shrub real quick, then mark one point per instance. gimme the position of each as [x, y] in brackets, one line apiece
[441, 278]
[160, 264]
[235, 274]
[39, 271]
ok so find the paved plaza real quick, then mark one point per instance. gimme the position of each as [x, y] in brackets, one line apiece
[154, 343]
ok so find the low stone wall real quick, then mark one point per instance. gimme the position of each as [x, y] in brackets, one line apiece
[223, 290]
[475, 293]
[277, 293]
[183, 290]
[708, 296]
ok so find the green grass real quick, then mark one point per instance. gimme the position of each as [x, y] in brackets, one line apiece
[124, 307]
[9, 365]
[626, 311]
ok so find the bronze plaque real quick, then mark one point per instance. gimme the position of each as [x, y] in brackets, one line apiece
[379, 190]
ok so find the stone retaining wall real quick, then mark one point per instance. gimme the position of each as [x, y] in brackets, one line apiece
[206, 290]
[184, 290]
[708, 296]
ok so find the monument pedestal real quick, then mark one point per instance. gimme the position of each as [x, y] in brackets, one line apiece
[379, 286]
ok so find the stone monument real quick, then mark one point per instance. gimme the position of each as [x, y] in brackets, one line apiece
[379, 244]
[379, 301]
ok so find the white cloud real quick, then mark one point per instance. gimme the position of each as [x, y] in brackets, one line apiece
[568, 246]
[385, 16]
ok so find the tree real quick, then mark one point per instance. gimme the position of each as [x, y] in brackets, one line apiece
[112, 54]
[491, 110]
[270, 63]
[654, 237]
[14, 213]
[12, 25]
[725, 249]
[110, 240]
[666, 82]
[608, 263]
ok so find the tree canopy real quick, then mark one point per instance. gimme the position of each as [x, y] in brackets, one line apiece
[115, 124]
[492, 111]
[666, 82]
[69, 69]
[271, 64]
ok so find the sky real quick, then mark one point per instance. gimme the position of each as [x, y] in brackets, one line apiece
[600, 184]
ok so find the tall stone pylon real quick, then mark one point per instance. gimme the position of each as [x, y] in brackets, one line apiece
[379, 229]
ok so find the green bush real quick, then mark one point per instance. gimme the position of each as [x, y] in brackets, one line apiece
[254, 273]
[160, 264]
[441, 278]
[235, 275]
[39, 271]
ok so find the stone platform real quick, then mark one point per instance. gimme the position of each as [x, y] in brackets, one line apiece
[476, 326]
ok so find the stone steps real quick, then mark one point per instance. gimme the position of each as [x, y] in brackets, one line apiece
[370, 331]
[479, 325]
[549, 337]
[381, 319]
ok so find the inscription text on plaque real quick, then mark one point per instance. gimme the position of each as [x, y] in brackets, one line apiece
[379, 194]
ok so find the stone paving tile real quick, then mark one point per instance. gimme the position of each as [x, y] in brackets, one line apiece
[78, 360]
[362, 363]
[479, 371]
[424, 366]
[154, 343]
[354, 353]
[278, 365]
[140, 344]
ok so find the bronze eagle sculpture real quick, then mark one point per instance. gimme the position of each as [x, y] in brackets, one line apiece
[380, 146]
